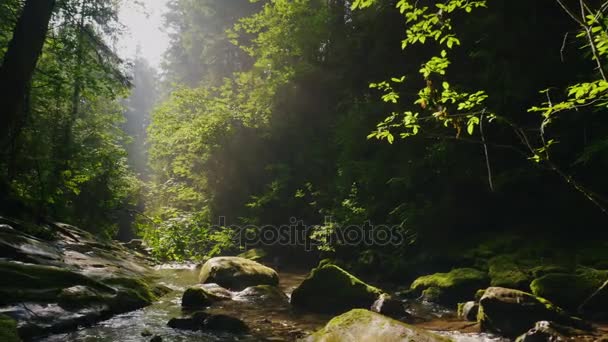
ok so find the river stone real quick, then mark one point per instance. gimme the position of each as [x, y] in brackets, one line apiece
[198, 297]
[364, 325]
[388, 306]
[225, 323]
[511, 312]
[205, 321]
[468, 311]
[237, 273]
[330, 289]
[263, 294]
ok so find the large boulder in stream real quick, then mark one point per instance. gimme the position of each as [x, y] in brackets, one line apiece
[55, 277]
[198, 297]
[449, 288]
[570, 290]
[330, 289]
[511, 312]
[237, 273]
[364, 325]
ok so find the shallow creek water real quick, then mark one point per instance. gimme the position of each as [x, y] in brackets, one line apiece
[267, 322]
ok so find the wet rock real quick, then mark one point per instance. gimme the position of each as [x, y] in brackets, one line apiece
[364, 325]
[237, 273]
[204, 321]
[198, 297]
[388, 306]
[156, 339]
[330, 289]
[225, 323]
[267, 294]
[216, 290]
[452, 287]
[543, 331]
[468, 311]
[55, 278]
[146, 333]
[511, 312]
[195, 322]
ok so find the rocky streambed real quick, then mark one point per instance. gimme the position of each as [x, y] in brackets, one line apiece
[59, 283]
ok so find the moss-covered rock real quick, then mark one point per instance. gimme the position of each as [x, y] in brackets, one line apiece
[364, 325]
[505, 272]
[452, 287]
[39, 283]
[198, 297]
[510, 312]
[8, 330]
[237, 273]
[569, 290]
[331, 289]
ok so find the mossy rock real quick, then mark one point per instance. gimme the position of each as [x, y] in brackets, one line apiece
[237, 273]
[21, 282]
[133, 293]
[543, 270]
[452, 287]
[510, 312]
[365, 325]
[80, 296]
[569, 290]
[504, 272]
[8, 330]
[330, 289]
[198, 297]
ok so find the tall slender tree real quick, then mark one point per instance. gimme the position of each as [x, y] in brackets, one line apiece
[19, 63]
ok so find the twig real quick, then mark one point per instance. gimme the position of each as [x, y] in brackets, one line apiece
[485, 150]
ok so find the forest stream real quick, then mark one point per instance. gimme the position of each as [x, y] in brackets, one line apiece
[267, 322]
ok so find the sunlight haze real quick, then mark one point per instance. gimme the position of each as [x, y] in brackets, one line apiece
[143, 23]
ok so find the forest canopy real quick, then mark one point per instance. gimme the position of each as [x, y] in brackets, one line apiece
[453, 118]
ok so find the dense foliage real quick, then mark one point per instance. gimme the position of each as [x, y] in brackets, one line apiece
[279, 129]
[68, 159]
[450, 118]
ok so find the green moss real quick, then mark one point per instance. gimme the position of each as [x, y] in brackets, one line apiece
[198, 297]
[132, 293]
[370, 326]
[237, 273]
[542, 270]
[452, 287]
[433, 294]
[479, 293]
[8, 330]
[39, 283]
[329, 288]
[569, 290]
[505, 272]
[80, 296]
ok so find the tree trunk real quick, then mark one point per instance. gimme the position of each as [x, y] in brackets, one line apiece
[19, 64]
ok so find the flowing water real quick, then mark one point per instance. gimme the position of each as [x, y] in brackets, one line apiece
[266, 322]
